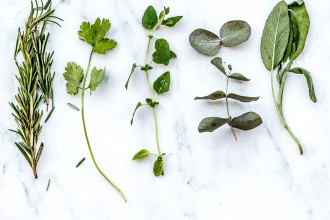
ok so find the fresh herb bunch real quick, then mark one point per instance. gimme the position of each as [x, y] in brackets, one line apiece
[35, 81]
[232, 33]
[283, 40]
[246, 121]
[95, 36]
[161, 55]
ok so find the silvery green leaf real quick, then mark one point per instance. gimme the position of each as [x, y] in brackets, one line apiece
[213, 96]
[242, 98]
[205, 42]
[217, 62]
[247, 121]
[238, 76]
[309, 80]
[212, 123]
[235, 32]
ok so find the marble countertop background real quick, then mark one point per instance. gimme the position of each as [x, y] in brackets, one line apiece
[208, 176]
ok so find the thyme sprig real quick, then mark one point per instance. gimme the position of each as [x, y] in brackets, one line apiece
[35, 81]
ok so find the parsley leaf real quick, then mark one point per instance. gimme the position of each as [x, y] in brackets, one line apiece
[73, 75]
[96, 78]
[104, 45]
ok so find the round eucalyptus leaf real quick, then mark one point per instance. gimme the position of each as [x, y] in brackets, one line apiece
[247, 121]
[205, 42]
[235, 32]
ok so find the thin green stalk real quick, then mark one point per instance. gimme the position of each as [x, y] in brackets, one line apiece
[86, 135]
[227, 106]
[279, 110]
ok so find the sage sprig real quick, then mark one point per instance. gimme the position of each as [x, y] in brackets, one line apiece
[35, 80]
[246, 121]
[232, 33]
[93, 34]
[162, 55]
[283, 40]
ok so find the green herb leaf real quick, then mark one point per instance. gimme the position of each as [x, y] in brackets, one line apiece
[130, 75]
[246, 121]
[172, 55]
[96, 78]
[150, 18]
[141, 154]
[170, 22]
[73, 75]
[151, 103]
[213, 96]
[205, 42]
[146, 67]
[242, 98]
[235, 32]
[309, 80]
[238, 76]
[300, 19]
[211, 123]
[162, 55]
[80, 162]
[275, 36]
[104, 45]
[159, 166]
[281, 72]
[136, 108]
[217, 62]
[95, 32]
[162, 84]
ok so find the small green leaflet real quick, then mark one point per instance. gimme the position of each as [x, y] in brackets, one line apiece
[163, 53]
[238, 76]
[170, 22]
[96, 78]
[94, 35]
[130, 75]
[136, 108]
[213, 96]
[212, 123]
[162, 84]
[150, 18]
[73, 75]
[247, 121]
[151, 103]
[309, 80]
[159, 166]
[217, 62]
[141, 154]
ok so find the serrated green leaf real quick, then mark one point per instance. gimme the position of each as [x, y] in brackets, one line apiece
[136, 108]
[130, 75]
[170, 22]
[235, 32]
[275, 36]
[247, 121]
[162, 55]
[104, 45]
[212, 123]
[95, 32]
[217, 62]
[213, 96]
[162, 84]
[73, 75]
[238, 76]
[242, 98]
[96, 78]
[205, 42]
[150, 18]
[141, 154]
[309, 80]
[159, 166]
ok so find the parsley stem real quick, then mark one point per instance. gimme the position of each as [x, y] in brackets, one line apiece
[227, 106]
[85, 131]
[279, 110]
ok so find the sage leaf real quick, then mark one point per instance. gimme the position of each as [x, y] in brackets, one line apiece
[141, 154]
[162, 84]
[96, 78]
[217, 62]
[300, 19]
[150, 18]
[130, 75]
[136, 108]
[159, 166]
[205, 42]
[212, 123]
[275, 36]
[213, 96]
[170, 22]
[235, 32]
[238, 76]
[242, 98]
[309, 80]
[247, 121]
[162, 55]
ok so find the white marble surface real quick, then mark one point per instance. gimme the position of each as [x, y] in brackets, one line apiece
[208, 176]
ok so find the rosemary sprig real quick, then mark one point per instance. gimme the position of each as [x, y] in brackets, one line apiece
[35, 81]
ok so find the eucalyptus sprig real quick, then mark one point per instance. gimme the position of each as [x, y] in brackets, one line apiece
[283, 40]
[246, 121]
[232, 33]
[95, 36]
[161, 55]
[35, 81]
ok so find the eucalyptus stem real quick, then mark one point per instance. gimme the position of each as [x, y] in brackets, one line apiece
[279, 110]
[86, 134]
[227, 106]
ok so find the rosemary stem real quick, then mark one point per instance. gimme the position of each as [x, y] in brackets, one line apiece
[86, 135]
